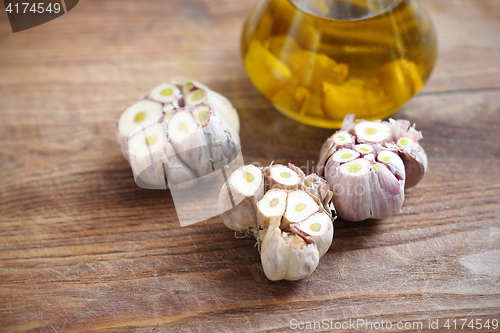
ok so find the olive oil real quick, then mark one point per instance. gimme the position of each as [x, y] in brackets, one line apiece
[318, 60]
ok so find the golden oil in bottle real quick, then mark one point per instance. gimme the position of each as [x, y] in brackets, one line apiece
[318, 60]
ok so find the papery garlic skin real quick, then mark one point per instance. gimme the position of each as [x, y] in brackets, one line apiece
[203, 137]
[287, 256]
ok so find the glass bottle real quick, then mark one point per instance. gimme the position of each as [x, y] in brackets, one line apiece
[318, 60]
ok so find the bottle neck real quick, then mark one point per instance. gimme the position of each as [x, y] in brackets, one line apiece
[348, 10]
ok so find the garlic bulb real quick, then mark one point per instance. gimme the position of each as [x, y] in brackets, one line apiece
[368, 165]
[195, 132]
[292, 221]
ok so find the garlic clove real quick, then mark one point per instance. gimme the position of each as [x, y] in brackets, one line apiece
[345, 155]
[287, 256]
[358, 167]
[201, 114]
[343, 139]
[139, 113]
[189, 142]
[388, 192]
[147, 152]
[238, 198]
[195, 97]
[414, 159]
[300, 205]
[219, 104]
[350, 184]
[271, 208]
[373, 132]
[283, 177]
[364, 149]
[362, 192]
[167, 117]
[393, 161]
[319, 228]
[224, 108]
[188, 87]
[165, 93]
[248, 180]
[176, 171]
[410, 151]
[340, 139]
[223, 145]
[318, 187]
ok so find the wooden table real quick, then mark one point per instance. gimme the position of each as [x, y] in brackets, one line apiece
[84, 249]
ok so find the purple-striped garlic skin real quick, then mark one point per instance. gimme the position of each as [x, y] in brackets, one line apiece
[395, 135]
[391, 147]
[394, 161]
[364, 189]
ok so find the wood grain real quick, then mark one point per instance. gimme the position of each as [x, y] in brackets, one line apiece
[82, 249]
